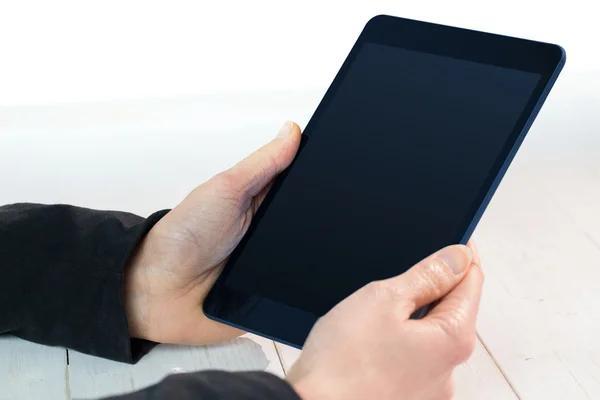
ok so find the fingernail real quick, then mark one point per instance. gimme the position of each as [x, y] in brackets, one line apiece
[285, 129]
[456, 258]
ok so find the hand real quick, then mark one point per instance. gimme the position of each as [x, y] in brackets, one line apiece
[180, 258]
[367, 347]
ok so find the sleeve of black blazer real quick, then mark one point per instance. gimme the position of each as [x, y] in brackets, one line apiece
[217, 385]
[61, 284]
[61, 277]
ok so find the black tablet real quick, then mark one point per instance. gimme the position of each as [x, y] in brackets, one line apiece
[400, 159]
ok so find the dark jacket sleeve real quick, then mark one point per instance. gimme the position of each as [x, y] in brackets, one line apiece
[217, 385]
[61, 284]
[61, 277]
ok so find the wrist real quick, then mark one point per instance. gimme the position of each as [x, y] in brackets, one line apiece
[135, 297]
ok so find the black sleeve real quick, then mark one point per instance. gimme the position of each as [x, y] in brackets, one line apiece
[61, 284]
[61, 277]
[216, 385]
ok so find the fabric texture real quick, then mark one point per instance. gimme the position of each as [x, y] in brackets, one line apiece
[61, 284]
[217, 385]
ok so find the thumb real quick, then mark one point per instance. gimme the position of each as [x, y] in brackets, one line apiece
[255, 172]
[433, 277]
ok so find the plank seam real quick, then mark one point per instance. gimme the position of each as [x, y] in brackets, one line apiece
[495, 361]
[280, 358]
[67, 379]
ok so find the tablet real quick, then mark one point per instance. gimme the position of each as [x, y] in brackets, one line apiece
[400, 159]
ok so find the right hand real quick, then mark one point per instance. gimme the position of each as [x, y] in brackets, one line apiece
[367, 347]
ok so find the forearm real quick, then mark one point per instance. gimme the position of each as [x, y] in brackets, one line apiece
[61, 276]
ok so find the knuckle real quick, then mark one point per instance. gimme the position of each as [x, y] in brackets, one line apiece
[262, 176]
[460, 342]
[383, 290]
[266, 170]
[450, 327]
[375, 289]
[230, 185]
[226, 179]
[271, 165]
[267, 163]
[461, 348]
[429, 280]
[454, 321]
[382, 293]
[430, 276]
[390, 301]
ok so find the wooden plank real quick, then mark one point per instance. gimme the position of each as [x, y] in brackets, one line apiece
[288, 355]
[540, 315]
[32, 371]
[95, 377]
[539, 243]
[574, 185]
[478, 379]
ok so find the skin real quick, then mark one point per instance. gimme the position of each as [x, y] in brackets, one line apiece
[365, 347]
[180, 258]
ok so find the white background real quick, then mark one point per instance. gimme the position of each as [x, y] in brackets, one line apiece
[73, 51]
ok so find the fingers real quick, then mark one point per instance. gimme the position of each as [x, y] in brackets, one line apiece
[430, 279]
[475, 251]
[256, 171]
[461, 305]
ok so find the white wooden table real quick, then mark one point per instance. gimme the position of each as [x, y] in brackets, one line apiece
[539, 328]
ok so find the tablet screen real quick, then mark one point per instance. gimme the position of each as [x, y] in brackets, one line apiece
[393, 169]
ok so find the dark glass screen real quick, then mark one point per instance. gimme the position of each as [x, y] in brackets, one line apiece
[392, 170]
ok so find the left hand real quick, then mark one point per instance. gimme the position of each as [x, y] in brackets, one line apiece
[180, 258]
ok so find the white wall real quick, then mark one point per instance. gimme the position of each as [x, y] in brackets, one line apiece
[72, 51]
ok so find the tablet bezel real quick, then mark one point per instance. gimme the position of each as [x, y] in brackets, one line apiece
[291, 326]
